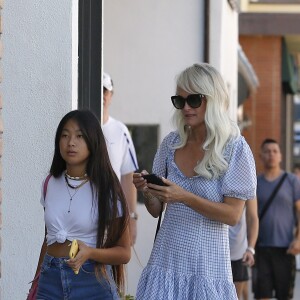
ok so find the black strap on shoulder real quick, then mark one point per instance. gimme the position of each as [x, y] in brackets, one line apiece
[161, 210]
[159, 220]
[265, 208]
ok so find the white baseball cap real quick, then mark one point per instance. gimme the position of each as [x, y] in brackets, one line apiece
[107, 82]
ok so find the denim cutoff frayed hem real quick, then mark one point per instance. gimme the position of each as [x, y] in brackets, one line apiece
[59, 282]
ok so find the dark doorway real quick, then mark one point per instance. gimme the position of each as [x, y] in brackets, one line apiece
[90, 55]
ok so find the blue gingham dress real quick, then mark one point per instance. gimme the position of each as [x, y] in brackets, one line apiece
[190, 258]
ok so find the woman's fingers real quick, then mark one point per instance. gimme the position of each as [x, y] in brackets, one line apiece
[139, 181]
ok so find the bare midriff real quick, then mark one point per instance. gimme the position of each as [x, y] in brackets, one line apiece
[59, 249]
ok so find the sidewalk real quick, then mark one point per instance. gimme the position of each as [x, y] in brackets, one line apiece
[296, 290]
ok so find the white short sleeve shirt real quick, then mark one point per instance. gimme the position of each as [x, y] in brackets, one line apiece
[120, 147]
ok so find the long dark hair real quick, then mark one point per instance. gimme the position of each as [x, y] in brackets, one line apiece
[104, 183]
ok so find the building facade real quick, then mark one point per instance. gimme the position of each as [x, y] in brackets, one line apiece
[270, 36]
[144, 46]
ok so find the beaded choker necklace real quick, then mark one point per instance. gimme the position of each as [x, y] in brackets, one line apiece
[75, 186]
[75, 178]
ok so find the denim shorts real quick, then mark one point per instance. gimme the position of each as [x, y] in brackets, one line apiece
[59, 282]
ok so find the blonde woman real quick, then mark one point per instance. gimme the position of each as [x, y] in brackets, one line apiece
[210, 174]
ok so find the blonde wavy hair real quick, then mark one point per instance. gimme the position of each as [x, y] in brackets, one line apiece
[205, 79]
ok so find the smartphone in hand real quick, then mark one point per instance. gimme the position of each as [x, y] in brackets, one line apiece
[73, 252]
[154, 179]
[74, 249]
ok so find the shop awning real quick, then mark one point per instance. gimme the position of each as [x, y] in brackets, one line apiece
[247, 79]
[289, 71]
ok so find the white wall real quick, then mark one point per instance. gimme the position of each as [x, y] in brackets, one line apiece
[146, 44]
[223, 45]
[37, 92]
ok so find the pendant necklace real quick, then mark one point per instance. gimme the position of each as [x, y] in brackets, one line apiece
[76, 188]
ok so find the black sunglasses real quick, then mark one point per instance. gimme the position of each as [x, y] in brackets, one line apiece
[193, 100]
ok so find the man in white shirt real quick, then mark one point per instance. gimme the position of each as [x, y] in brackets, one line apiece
[121, 153]
[242, 240]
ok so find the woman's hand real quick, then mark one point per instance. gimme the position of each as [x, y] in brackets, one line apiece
[81, 257]
[139, 181]
[168, 194]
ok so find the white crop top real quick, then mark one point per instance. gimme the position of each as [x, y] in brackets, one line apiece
[82, 220]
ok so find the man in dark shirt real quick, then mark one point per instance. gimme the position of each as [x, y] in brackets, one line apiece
[278, 241]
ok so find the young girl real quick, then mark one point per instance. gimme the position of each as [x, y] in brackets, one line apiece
[84, 201]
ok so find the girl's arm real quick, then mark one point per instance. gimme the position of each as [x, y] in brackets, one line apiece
[116, 255]
[119, 254]
[41, 258]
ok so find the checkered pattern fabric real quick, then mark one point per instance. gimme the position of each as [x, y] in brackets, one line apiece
[191, 258]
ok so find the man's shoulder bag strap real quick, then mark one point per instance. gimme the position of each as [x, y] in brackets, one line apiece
[265, 208]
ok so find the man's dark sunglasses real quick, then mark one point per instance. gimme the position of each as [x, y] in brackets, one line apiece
[194, 101]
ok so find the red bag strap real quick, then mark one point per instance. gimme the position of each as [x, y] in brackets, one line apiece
[46, 185]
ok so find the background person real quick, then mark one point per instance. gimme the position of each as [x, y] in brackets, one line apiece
[84, 201]
[296, 171]
[211, 172]
[278, 241]
[242, 239]
[121, 153]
